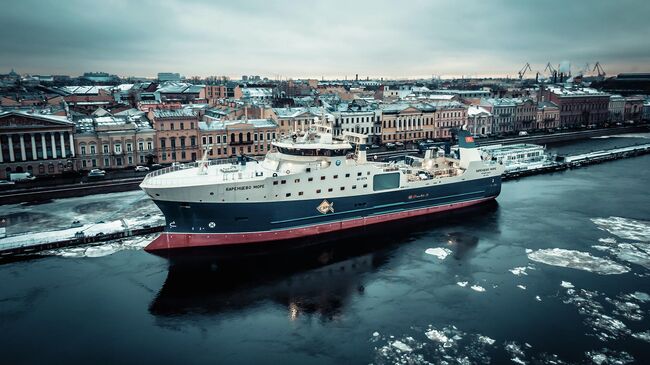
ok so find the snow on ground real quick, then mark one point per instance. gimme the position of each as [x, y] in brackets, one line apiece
[630, 229]
[91, 229]
[577, 260]
[439, 252]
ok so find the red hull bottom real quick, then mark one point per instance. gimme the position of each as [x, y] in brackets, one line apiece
[168, 241]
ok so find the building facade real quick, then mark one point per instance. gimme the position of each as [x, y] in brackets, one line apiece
[407, 123]
[548, 115]
[177, 134]
[525, 115]
[634, 108]
[237, 137]
[37, 143]
[580, 107]
[616, 108]
[112, 142]
[479, 121]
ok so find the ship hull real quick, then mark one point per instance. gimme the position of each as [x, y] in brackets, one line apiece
[191, 225]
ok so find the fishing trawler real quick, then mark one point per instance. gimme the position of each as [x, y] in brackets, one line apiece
[311, 183]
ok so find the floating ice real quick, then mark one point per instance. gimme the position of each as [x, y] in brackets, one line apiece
[462, 283]
[567, 284]
[105, 249]
[607, 357]
[609, 240]
[401, 346]
[528, 250]
[375, 334]
[522, 287]
[486, 340]
[446, 345]
[640, 296]
[625, 308]
[577, 260]
[603, 326]
[477, 288]
[435, 335]
[537, 298]
[519, 270]
[515, 352]
[638, 253]
[626, 228]
[645, 336]
[439, 252]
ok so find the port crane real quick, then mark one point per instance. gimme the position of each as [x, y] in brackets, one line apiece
[598, 68]
[522, 72]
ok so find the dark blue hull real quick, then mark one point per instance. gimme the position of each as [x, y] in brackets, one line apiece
[205, 218]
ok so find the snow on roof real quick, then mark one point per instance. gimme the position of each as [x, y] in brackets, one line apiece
[220, 125]
[37, 115]
[563, 92]
[173, 113]
[477, 110]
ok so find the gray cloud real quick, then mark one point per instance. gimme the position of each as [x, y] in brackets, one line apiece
[330, 38]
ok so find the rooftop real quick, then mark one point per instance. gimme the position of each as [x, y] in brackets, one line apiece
[173, 113]
[221, 125]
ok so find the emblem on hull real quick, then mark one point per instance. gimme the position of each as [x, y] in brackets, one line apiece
[325, 207]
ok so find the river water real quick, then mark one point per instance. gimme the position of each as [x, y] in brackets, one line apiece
[556, 271]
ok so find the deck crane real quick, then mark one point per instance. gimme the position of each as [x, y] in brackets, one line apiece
[522, 72]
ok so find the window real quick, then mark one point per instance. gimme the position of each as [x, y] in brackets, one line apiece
[83, 150]
[105, 147]
[347, 175]
[365, 185]
[318, 191]
[129, 147]
[283, 182]
[310, 179]
[358, 174]
[92, 149]
[106, 162]
[329, 190]
[149, 145]
[140, 146]
[171, 125]
[296, 181]
[182, 125]
[300, 193]
[288, 195]
[336, 176]
[342, 188]
[322, 177]
[275, 182]
[192, 141]
[354, 186]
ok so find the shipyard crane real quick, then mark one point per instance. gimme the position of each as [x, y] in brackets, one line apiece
[599, 68]
[522, 72]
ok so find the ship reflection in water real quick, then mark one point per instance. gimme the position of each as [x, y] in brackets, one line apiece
[311, 279]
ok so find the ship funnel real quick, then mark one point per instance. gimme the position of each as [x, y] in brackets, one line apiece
[467, 148]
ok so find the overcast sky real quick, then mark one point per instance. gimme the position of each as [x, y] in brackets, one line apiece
[392, 39]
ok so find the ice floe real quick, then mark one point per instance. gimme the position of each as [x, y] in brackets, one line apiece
[439, 252]
[517, 355]
[577, 260]
[522, 287]
[462, 283]
[645, 336]
[477, 288]
[442, 345]
[109, 248]
[626, 309]
[608, 240]
[519, 270]
[609, 357]
[538, 298]
[626, 228]
[634, 253]
[567, 284]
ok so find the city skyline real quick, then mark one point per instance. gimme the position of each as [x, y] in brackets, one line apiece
[333, 40]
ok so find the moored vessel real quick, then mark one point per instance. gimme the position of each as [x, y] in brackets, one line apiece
[310, 184]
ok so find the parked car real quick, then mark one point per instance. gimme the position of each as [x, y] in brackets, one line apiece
[96, 173]
[399, 144]
[156, 166]
[374, 146]
[141, 168]
[523, 133]
[390, 146]
[21, 176]
[5, 182]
